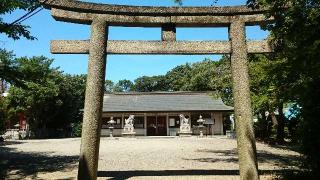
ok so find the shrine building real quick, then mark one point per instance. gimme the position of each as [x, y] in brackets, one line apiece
[157, 113]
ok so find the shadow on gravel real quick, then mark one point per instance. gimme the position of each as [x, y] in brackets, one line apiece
[263, 157]
[214, 172]
[10, 143]
[19, 165]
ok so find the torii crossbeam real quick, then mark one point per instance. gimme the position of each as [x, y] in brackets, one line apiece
[101, 16]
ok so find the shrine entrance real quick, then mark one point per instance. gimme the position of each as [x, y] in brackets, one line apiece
[156, 126]
[101, 16]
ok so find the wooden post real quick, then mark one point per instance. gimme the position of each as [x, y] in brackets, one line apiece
[242, 102]
[91, 127]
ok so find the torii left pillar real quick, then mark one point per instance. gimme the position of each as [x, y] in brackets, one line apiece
[91, 127]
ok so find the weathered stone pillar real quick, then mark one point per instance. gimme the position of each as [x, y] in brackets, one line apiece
[91, 126]
[242, 102]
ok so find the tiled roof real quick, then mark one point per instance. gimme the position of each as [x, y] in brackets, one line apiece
[162, 102]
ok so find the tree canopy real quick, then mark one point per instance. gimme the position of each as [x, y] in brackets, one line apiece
[16, 30]
[49, 98]
[295, 35]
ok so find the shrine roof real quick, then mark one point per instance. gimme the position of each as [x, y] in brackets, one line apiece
[162, 102]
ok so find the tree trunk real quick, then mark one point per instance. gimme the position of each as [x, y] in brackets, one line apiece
[2, 86]
[264, 132]
[280, 127]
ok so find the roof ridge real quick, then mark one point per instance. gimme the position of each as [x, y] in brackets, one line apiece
[161, 92]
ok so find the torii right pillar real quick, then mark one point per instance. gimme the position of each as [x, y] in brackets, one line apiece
[242, 102]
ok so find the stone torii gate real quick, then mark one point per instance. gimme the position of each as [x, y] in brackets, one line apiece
[101, 16]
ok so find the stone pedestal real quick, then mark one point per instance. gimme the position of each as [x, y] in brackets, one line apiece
[231, 134]
[128, 131]
[185, 130]
[201, 131]
[111, 132]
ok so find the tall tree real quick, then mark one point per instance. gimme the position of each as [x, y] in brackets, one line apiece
[296, 39]
[201, 76]
[270, 79]
[221, 82]
[38, 99]
[50, 99]
[8, 70]
[70, 100]
[206, 75]
[178, 78]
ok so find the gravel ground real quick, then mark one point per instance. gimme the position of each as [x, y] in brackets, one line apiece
[139, 158]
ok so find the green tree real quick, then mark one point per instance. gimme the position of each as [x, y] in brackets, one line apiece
[108, 86]
[149, 84]
[201, 76]
[71, 95]
[123, 86]
[38, 99]
[9, 71]
[222, 80]
[295, 35]
[179, 77]
[50, 99]
[270, 79]
[206, 75]
[3, 113]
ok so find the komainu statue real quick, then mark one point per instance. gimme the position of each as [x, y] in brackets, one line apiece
[185, 128]
[128, 129]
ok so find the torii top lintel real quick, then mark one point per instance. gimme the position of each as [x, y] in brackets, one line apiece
[168, 18]
[122, 15]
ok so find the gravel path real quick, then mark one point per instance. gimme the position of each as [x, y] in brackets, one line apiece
[141, 158]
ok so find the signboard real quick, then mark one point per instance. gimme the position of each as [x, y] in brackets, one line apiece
[172, 122]
[209, 121]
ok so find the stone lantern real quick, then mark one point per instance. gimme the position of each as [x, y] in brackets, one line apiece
[111, 124]
[200, 126]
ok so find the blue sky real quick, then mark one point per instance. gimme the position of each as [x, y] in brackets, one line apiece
[45, 28]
